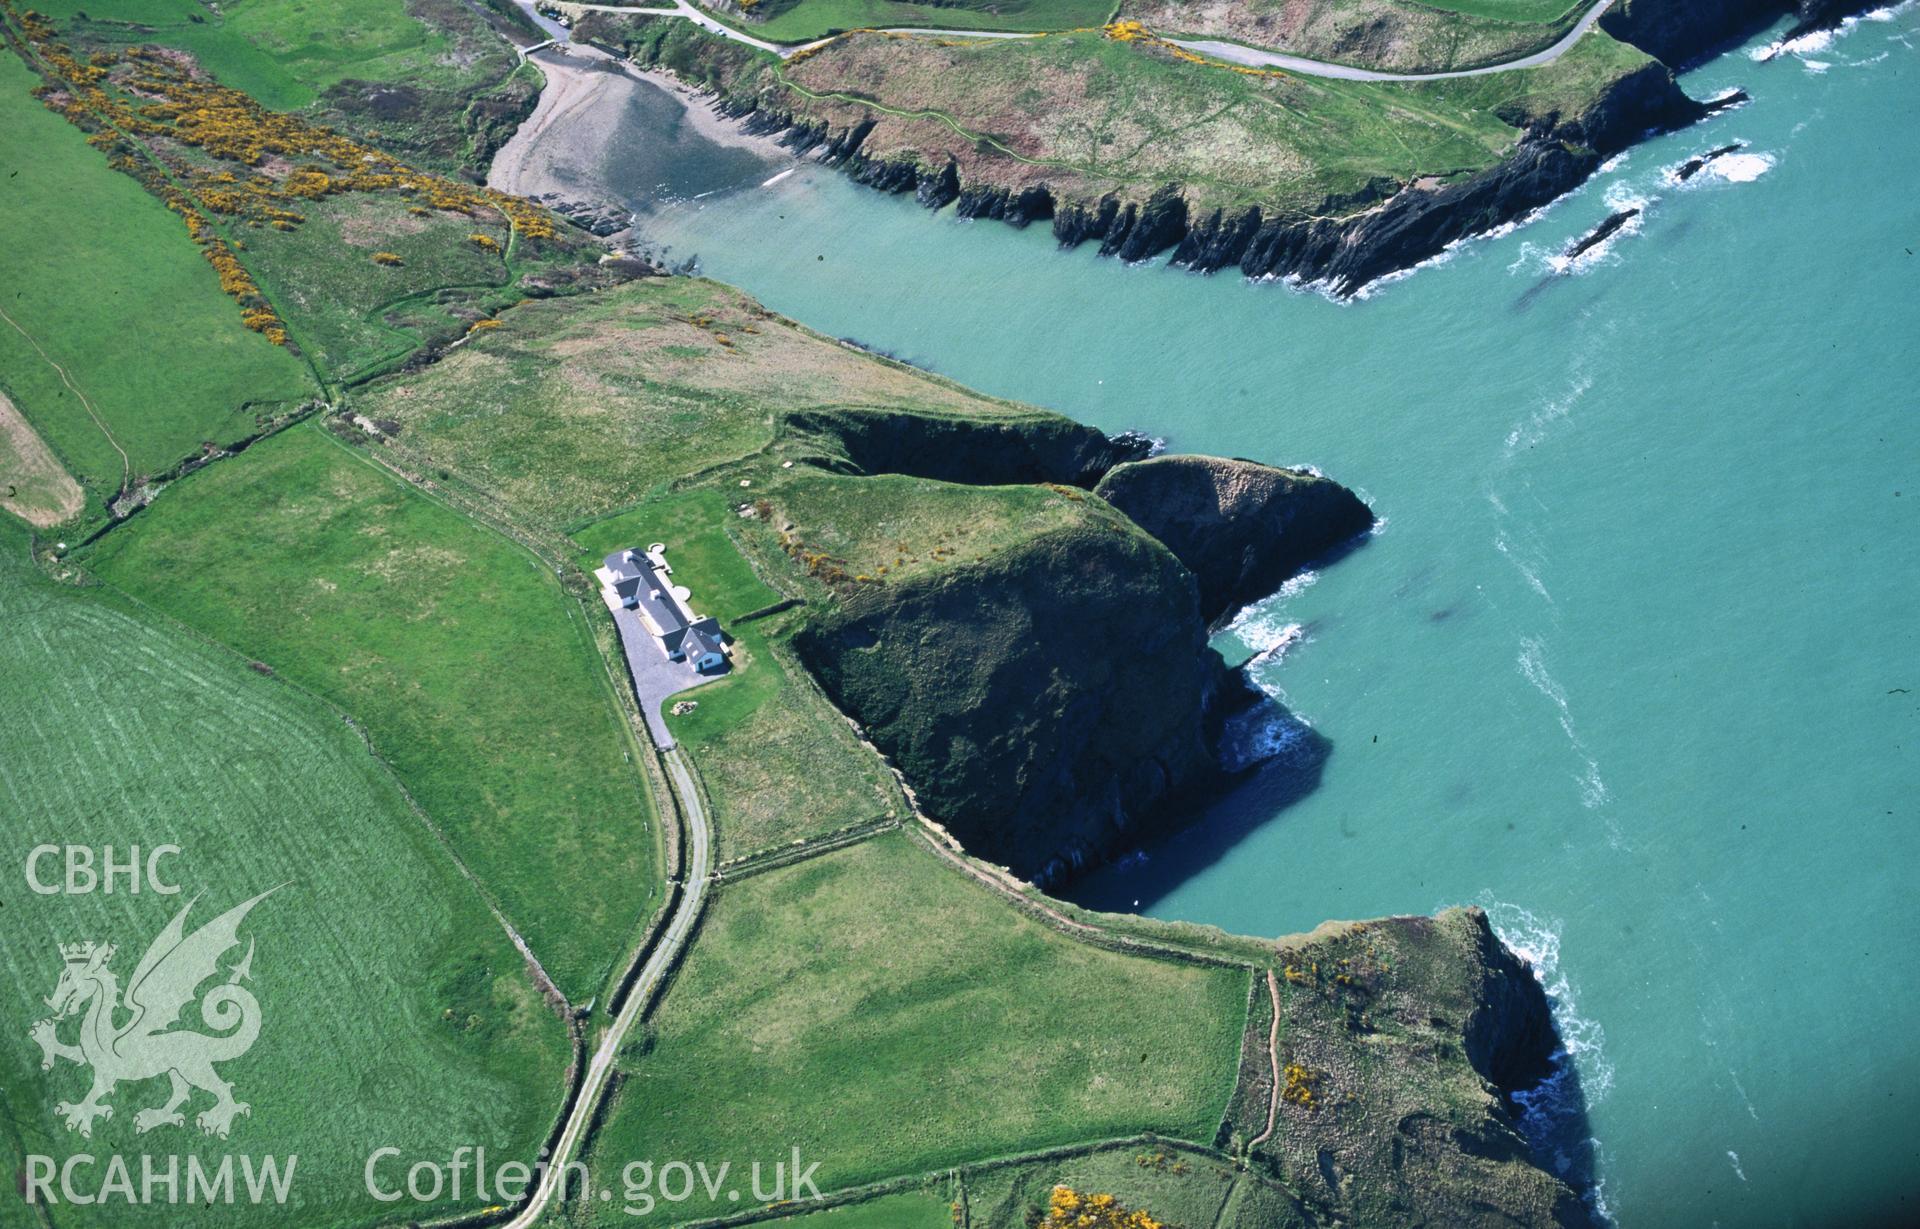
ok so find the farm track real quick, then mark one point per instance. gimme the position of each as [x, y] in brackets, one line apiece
[126, 464]
[1273, 1057]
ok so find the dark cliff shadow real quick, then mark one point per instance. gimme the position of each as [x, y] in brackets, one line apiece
[1279, 760]
[1552, 1115]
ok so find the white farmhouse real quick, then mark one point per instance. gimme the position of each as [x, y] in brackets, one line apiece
[639, 581]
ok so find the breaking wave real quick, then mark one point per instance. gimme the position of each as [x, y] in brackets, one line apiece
[1532, 663]
[1553, 1115]
[1535, 428]
[1741, 167]
[1815, 42]
[1263, 733]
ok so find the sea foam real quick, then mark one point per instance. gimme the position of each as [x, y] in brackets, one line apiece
[1553, 1114]
[1740, 168]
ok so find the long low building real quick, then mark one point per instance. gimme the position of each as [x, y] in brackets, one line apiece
[639, 581]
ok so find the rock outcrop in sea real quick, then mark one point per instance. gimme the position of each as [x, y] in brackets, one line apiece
[1240, 527]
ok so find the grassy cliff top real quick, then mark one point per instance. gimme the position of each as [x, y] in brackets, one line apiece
[1085, 114]
[1387, 34]
[1391, 35]
[574, 410]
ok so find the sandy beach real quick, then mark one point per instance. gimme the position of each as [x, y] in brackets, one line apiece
[585, 116]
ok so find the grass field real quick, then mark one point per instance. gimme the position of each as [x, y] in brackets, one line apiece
[394, 1008]
[283, 52]
[913, 1210]
[887, 1015]
[1088, 113]
[1512, 10]
[1400, 35]
[355, 314]
[894, 527]
[117, 295]
[793, 21]
[575, 410]
[469, 668]
[779, 763]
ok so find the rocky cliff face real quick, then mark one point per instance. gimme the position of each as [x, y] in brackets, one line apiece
[1684, 34]
[1402, 1045]
[1051, 702]
[1240, 527]
[1352, 242]
[1348, 241]
[979, 452]
[1345, 243]
[1044, 704]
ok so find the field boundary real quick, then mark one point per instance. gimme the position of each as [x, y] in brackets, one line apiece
[762, 861]
[847, 1196]
[1273, 1057]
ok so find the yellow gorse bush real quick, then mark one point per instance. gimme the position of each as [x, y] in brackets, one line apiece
[1069, 1209]
[119, 97]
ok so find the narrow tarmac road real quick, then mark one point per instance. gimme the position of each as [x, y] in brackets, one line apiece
[1254, 57]
[600, 1067]
[1232, 53]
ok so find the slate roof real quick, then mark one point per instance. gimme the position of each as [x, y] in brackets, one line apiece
[635, 578]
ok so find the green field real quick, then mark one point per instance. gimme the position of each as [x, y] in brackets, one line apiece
[577, 409]
[472, 672]
[779, 763]
[887, 1015]
[915, 1210]
[116, 294]
[795, 21]
[283, 52]
[355, 314]
[1513, 10]
[394, 1008]
[895, 527]
[1397, 35]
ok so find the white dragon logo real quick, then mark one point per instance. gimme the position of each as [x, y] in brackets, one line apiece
[146, 1045]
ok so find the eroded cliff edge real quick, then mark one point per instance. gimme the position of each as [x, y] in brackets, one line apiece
[931, 117]
[1405, 1048]
[1056, 701]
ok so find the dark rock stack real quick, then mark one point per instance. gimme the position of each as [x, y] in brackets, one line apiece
[1240, 527]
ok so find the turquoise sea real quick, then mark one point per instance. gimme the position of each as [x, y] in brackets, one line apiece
[1634, 661]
